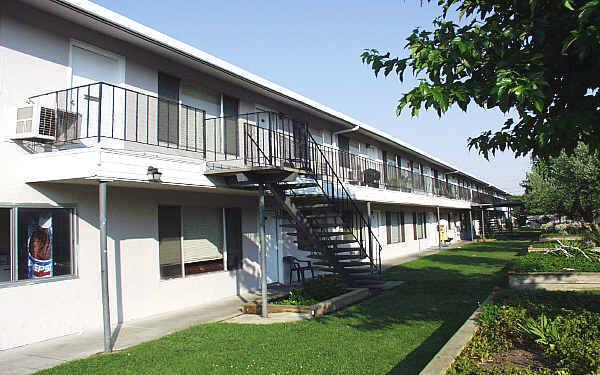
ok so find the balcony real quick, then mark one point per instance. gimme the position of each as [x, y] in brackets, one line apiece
[119, 118]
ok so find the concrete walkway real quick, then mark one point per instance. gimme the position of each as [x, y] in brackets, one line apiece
[34, 357]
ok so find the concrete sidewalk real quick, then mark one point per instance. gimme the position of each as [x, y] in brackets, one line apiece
[34, 357]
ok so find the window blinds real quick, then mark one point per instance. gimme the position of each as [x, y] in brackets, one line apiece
[202, 234]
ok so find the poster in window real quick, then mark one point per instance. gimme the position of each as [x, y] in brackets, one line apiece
[39, 247]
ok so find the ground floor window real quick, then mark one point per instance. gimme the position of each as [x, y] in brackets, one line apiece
[192, 240]
[420, 225]
[395, 227]
[36, 243]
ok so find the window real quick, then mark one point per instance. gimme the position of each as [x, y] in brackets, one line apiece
[5, 244]
[191, 240]
[395, 227]
[35, 243]
[420, 225]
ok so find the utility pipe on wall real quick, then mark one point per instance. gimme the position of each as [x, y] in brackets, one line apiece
[346, 130]
[104, 267]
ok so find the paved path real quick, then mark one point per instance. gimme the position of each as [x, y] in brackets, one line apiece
[34, 357]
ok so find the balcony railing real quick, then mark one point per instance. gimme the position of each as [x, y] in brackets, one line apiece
[101, 111]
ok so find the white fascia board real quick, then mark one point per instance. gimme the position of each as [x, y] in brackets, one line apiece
[123, 22]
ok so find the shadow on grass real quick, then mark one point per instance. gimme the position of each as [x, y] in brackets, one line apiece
[440, 292]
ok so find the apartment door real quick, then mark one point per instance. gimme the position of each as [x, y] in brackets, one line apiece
[168, 110]
[82, 104]
[230, 125]
[272, 248]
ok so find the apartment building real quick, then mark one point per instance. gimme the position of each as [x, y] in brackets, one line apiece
[111, 128]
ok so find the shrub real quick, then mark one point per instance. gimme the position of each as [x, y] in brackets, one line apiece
[316, 290]
[566, 324]
[548, 227]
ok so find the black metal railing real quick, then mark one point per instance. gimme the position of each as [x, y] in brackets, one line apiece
[271, 139]
[100, 111]
[97, 111]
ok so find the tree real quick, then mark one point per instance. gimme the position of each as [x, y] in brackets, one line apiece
[536, 58]
[565, 185]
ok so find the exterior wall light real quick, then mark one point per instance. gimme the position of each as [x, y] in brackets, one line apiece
[153, 174]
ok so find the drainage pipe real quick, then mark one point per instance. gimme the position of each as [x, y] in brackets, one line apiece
[263, 249]
[104, 267]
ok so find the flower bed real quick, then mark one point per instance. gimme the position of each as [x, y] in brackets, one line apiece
[535, 333]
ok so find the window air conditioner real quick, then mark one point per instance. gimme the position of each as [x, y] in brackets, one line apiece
[36, 122]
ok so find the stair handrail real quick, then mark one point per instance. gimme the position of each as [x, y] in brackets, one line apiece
[364, 222]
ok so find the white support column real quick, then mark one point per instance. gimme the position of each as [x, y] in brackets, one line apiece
[439, 228]
[263, 249]
[482, 225]
[471, 223]
[104, 267]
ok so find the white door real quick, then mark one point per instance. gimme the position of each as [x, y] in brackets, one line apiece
[272, 248]
[90, 65]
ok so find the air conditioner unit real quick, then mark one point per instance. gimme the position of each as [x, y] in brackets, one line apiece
[35, 122]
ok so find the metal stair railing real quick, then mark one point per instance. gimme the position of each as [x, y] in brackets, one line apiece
[286, 143]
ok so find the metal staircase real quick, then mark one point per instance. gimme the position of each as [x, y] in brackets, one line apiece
[324, 220]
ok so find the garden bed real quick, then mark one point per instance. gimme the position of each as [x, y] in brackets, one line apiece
[317, 310]
[535, 333]
[318, 297]
[538, 270]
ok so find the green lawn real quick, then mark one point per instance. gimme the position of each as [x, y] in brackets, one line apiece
[397, 332]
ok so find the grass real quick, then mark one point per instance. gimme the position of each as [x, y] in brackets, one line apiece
[397, 332]
[561, 235]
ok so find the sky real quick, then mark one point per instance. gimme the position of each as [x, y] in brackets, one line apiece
[313, 48]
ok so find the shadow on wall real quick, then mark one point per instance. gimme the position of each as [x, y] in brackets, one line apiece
[132, 215]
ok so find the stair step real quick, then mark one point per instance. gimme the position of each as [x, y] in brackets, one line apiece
[338, 242]
[323, 215]
[322, 234]
[310, 197]
[314, 225]
[335, 242]
[344, 264]
[337, 257]
[334, 250]
[298, 186]
[315, 206]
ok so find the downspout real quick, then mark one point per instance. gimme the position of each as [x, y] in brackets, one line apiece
[346, 130]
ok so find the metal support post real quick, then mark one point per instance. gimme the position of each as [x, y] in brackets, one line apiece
[439, 228]
[369, 229]
[104, 268]
[471, 223]
[482, 225]
[263, 249]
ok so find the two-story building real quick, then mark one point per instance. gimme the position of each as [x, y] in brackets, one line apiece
[178, 138]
